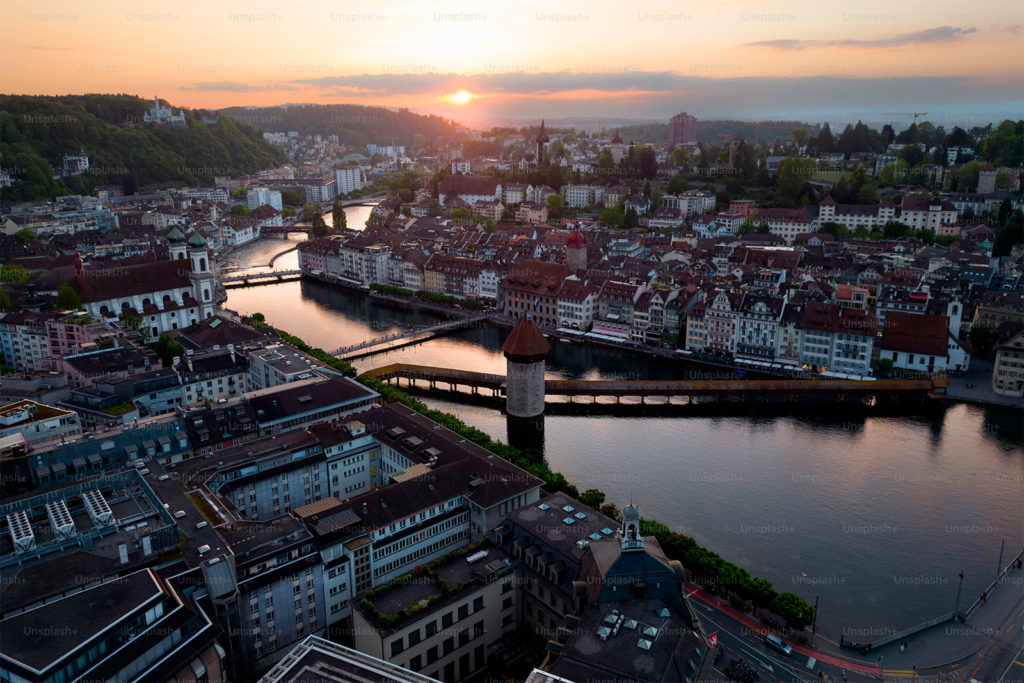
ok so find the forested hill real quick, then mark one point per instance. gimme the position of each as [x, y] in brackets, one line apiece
[712, 131]
[353, 124]
[36, 133]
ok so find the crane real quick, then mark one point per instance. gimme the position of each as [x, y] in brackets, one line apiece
[915, 114]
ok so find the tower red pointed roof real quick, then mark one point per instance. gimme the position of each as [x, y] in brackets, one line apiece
[525, 344]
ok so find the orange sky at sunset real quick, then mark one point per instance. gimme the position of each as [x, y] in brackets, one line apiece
[522, 57]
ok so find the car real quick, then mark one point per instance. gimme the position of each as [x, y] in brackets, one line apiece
[164, 477]
[777, 643]
[179, 514]
[202, 525]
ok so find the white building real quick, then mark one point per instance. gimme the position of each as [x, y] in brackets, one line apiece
[259, 196]
[348, 179]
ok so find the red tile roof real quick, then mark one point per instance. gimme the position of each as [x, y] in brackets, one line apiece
[525, 344]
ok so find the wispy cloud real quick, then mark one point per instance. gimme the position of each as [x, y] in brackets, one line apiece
[232, 86]
[939, 34]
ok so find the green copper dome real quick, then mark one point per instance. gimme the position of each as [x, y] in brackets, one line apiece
[196, 240]
[175, 236]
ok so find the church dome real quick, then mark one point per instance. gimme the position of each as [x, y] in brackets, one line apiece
[630, 513]
[175, 236]
[196, 240]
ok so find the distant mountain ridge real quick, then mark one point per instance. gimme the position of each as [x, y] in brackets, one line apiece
[354, 124]
[36, 132]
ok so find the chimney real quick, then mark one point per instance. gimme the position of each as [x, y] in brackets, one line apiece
[231, 350]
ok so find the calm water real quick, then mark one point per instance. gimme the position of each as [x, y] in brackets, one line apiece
[876, 516]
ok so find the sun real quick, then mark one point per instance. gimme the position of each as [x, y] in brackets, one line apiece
[461, 97]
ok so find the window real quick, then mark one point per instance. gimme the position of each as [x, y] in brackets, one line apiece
[416, 663]
[432, 655]
[506, 603]
[396, 647]
[449, 645]
[463, 611]
[414, 637]
[431, 628]
[446, 620]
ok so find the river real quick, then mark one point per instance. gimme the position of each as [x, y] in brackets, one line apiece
[875, 516]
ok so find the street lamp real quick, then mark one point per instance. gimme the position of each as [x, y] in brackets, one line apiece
[956, 610]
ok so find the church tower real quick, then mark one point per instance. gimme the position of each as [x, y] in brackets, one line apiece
[542, 139]
[630, 537]
[201, 275]
[576, 251]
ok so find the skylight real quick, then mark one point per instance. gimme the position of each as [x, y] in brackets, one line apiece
[569, 521]
[606, 531]
[544, 506]
[580, 515]
[568, 508]
[595, 537]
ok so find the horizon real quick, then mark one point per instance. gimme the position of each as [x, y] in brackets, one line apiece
[521, 60]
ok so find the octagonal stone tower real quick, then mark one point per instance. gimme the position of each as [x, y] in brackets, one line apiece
[525, 351]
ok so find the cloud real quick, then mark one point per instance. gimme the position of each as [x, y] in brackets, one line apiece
[1007, 28]
[232, 86]
[939, 34]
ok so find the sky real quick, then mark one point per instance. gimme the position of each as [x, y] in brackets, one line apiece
[522, 59]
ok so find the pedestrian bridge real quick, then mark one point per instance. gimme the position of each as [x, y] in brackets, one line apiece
[394, 341]
[739, 391]
[255, 279]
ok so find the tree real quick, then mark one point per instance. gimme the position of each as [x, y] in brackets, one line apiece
[555, 203]
[592, 498]
[824, 143]
[605, 162]
[67, 298]
[419, 140]
[311, 210]
[611, 217]
[288, 212]
[319, 226]
[895, 230]
[888, 135]
[630, 219]
[290, 197]
[837, 230]
[26, 235]
[1005, 146]
[678, 184]
[1010, 234]
[460, 214]
[1005, 209]
[648, 163]
[5, 300]
[912, 154]
[983, 339]
[13, 275]
[681, 156]
[338, 216]
[800, 136]
[240, 210]
[167, 349]
[792, 183]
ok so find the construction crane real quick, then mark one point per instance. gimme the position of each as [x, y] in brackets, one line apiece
[915, 114]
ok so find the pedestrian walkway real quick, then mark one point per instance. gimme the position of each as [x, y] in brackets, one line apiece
[975, 386]
[930, 651]
[939, 646]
